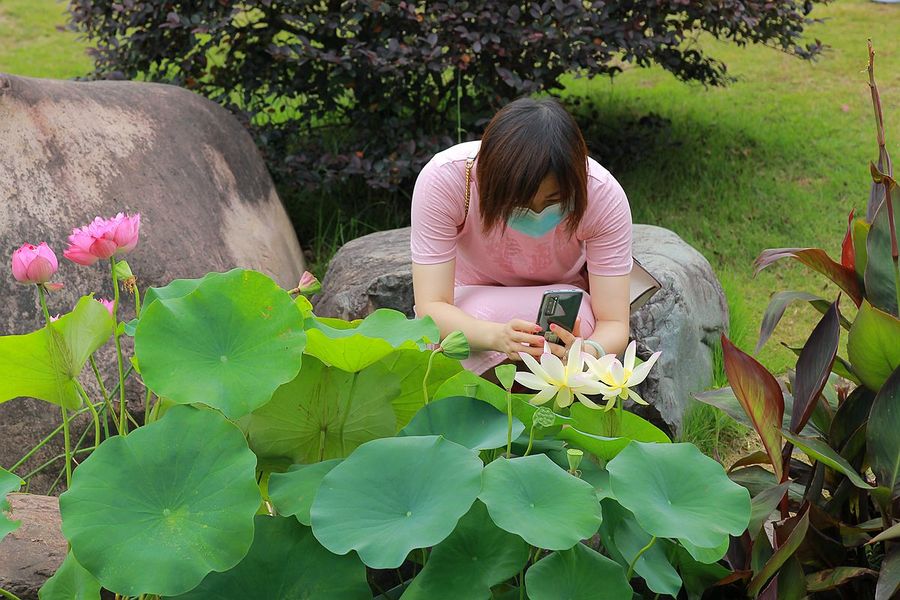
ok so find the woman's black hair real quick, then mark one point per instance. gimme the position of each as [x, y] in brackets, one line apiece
[527, 140]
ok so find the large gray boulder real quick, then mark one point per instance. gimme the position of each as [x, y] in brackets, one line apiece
[70, 151]
[31, 554]
[684, 319]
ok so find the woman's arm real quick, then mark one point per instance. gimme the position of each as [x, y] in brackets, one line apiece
[612, 311]
[433, 289]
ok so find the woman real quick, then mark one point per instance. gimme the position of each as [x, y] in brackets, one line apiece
[539, 214]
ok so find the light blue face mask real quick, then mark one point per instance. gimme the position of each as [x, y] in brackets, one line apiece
[535, 224]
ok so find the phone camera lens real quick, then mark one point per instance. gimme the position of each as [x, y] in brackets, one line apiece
[551, 307]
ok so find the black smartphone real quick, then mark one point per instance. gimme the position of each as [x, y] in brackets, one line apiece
[558, 307]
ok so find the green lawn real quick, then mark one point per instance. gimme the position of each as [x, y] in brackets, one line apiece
[31, 44]
[776, 159]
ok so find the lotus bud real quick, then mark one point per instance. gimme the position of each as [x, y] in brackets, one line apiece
[34, 264]
[308, 285]
[506, 375]
[543, 417]
[455, 345]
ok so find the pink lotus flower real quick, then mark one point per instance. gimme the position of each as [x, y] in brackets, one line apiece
[103, 238]
[54, 319]
[34, 264]
[108, 304]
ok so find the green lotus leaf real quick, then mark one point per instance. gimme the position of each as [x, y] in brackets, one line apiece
[9, 482]
[179, 288]
[229, 343]
[577, 574]
[304, 306]
[675, 491]
[70, 582]
[588, 471]
[46, 363]
[286, 563]
[466, 421]
[602, 434]
[292, 493]
[394, 495]
[469, 384]
[409, 366]
[624, 539]
[476, 556]
[707, 555]
[872, 345]
[537, 500]
[324, 413]
[362, 344]
[155, 511]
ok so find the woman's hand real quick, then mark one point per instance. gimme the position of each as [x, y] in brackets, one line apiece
[511, 338]
[568, 338]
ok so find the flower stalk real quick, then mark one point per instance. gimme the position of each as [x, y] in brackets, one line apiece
[67, 442]
[123, 423]
[427, 373]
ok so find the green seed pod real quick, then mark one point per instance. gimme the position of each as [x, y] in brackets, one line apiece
[543, 417]
[574, 457]
[506, 375]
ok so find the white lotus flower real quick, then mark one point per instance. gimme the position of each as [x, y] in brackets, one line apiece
[616, 379]
[566, 382]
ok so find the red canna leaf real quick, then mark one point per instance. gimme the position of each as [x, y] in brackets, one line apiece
[814, 366]
[818, 260]
[784, 552]
[848, 253]
[760, 397]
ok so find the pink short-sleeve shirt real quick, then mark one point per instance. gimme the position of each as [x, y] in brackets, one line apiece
[441, 231]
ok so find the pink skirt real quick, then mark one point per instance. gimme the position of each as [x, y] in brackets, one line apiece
[502, 304]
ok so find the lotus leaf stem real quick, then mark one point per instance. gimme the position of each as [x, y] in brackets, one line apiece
[635, 559]
[104, 393]
[51, 461]
[146, 404]
[43, 442]
[8, 595]
[530, 440]
[93, 410]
